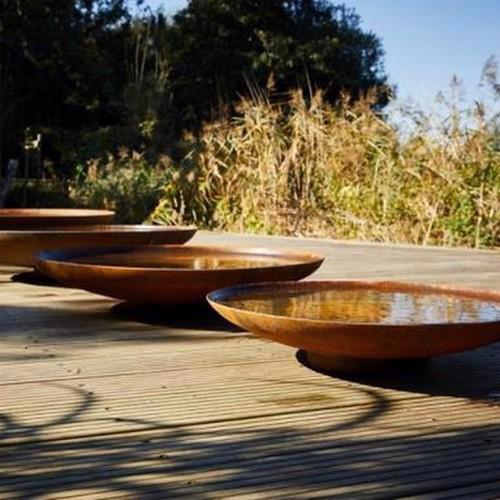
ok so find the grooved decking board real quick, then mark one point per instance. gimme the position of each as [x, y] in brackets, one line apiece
[106, 401]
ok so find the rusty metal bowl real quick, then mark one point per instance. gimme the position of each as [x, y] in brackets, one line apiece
[18, 248]
[363, 326]
[171, 275]
[29, 218]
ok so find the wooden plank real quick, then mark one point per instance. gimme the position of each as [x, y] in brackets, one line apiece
[264, 450]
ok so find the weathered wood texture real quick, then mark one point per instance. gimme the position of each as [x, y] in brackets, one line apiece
[100, 400]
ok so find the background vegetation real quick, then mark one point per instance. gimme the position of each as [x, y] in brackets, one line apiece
[305, 167]
[248, 115]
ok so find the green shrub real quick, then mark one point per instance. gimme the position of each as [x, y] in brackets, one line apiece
[125, 182]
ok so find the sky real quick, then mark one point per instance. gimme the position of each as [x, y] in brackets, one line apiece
[426, 42]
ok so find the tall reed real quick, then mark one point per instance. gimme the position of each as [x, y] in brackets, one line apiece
[305, 167]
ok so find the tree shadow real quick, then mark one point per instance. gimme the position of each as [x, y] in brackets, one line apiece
[270, 455]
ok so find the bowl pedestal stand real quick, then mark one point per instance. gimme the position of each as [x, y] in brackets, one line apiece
[341, 364]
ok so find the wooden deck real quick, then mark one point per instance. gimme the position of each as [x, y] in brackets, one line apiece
[108, 401]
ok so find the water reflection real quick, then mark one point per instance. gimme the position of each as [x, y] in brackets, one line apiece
[369, 306]
[184, 262]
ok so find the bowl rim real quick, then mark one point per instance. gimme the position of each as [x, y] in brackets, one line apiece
[96, 229]
[214, 299]
[62, 258]
[35, 213]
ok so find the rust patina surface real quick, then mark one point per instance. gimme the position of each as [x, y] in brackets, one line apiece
[19, 248]
[173, 274]
[24, 218]
[363, 320]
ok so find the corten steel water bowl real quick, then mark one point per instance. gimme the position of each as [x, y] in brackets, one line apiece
[18, 248]
[29, 218]
[353, 326]
[171, 275]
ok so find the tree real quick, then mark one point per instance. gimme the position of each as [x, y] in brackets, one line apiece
[58, 68]
[220, 48]
[90, 77]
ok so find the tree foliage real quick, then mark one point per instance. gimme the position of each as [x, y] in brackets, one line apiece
[59, 68]
[220, 48]
[90, 76]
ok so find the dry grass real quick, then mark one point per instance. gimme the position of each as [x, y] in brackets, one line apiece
[306, 168]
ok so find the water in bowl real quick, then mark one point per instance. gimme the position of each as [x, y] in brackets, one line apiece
[369, 306]
[187, 262]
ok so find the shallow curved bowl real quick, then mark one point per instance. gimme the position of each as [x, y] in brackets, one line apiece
[18, 248]
[346, 320]
[28, 218]
[171, 275]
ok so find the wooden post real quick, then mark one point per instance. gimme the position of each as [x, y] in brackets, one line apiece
[7, 182]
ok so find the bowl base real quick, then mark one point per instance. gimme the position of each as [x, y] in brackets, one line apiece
[341, 364]
[35, 278]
